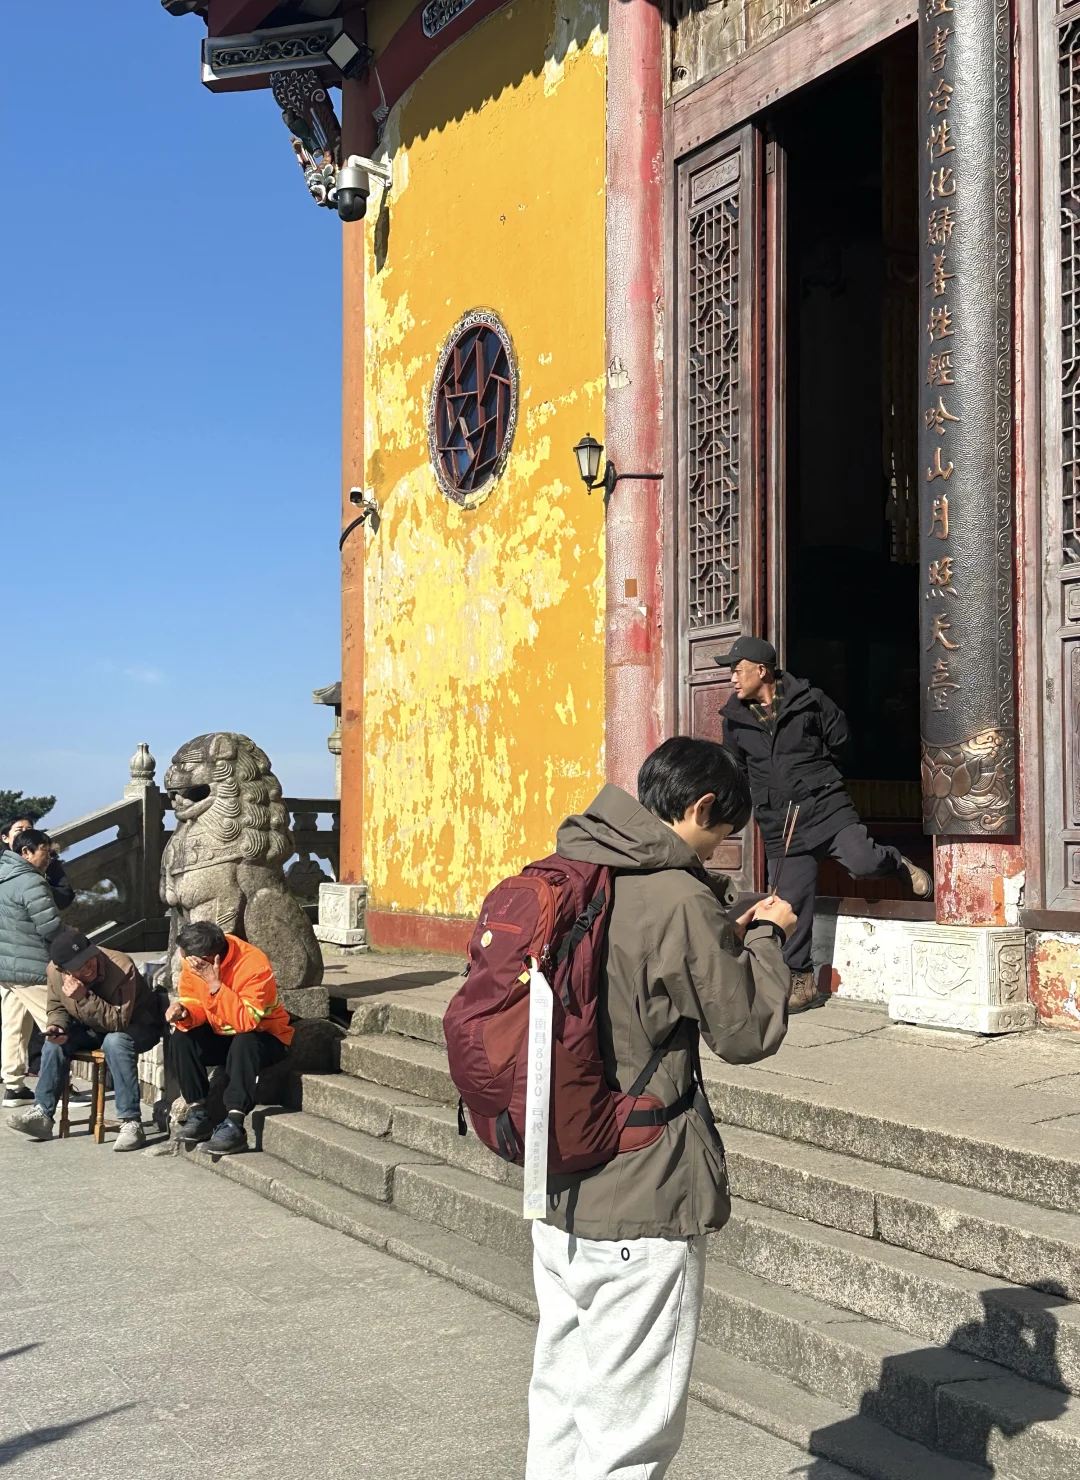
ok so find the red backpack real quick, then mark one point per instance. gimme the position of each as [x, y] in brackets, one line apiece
[557, 913]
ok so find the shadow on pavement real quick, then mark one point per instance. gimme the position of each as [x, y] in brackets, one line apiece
[15, 1448]
[963, 1409]
[17, 1351]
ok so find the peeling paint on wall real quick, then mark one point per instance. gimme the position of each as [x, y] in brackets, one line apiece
[484, 678]
[1054, 978]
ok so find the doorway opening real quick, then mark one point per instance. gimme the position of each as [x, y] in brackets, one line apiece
[851, 419]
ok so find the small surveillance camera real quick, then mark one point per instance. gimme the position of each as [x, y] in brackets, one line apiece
[356, 496]
[351, 191]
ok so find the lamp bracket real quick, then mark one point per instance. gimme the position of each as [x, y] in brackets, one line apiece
[611, 477]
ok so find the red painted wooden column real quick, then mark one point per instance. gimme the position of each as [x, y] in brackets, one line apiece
[633, 428]
[357, 138]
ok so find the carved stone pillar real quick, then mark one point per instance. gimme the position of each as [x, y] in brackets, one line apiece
[966, 461]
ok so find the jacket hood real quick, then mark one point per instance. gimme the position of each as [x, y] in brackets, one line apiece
[12, 864]
[617, 832]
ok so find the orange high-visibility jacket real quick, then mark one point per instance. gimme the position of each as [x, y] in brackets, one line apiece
[247, 1000]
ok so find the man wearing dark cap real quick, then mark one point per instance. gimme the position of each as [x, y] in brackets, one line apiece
[786, 737]
[97, 998]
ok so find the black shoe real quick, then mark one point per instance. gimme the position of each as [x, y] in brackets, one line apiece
[19, 1095]
[195, 1128]
[227, 1139]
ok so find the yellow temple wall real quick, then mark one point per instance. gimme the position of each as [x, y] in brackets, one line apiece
[484, 628]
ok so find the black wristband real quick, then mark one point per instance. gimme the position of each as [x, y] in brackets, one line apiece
[770, 925]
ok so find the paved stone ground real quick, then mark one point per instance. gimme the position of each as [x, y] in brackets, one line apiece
[159, 1324]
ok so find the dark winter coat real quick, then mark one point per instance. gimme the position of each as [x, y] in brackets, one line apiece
[670, 958]
[794, 762]
[28, 921]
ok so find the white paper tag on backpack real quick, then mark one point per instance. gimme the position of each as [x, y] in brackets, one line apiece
[537, 1094]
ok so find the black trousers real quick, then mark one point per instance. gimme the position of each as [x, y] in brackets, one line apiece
[855, 850]
[245, 1056]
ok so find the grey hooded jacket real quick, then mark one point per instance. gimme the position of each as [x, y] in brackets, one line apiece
[28, 921]
[671, 954]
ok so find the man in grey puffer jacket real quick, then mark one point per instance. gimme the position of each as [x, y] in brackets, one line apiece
[28, 922]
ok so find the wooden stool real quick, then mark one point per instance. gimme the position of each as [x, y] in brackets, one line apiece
[98, 1076]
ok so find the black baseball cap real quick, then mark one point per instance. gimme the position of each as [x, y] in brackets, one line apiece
[753, 649]
[70, 949]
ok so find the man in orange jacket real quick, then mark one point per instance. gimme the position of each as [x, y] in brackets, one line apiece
[228, 1012]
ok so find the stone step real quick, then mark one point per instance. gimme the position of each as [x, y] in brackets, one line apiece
[351, 1159]
[978, 1231]
[406, 1119]
[720, 1381]
[954, 1404]
[1013, 1161]
[411, 1015]
[1010, 1161]
[975, 1230]
[399, 1063]
[917, 1391]
[1029, 1332]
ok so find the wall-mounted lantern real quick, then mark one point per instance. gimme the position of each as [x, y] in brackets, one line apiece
[588, 452]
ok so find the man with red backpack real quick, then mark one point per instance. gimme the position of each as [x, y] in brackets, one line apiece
[619, 1261]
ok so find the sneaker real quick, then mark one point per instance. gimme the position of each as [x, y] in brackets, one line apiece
[17, 1095]
[79, 1097]
[804, 993]
[227, 1139]
[196, 1127]
[33, 1122]
[922, 885]
[131, 1137]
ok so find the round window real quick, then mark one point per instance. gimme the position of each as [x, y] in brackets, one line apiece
[473, 408]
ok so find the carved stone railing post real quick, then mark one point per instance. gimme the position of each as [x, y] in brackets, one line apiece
[966, 478]
[146, 897]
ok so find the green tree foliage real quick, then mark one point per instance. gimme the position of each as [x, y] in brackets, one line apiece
[14, 804]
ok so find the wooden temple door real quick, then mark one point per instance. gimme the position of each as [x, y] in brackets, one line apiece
[727, 550]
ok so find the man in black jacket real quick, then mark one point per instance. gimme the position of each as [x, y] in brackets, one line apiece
[786, 737]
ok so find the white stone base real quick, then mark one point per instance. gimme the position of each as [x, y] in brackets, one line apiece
[940, 976]
[342, 916]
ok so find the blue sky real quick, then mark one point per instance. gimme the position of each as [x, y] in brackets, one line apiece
[169, 412]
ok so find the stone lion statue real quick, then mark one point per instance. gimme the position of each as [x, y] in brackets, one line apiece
[224, 862]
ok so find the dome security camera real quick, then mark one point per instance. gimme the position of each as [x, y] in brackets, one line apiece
[352, 189]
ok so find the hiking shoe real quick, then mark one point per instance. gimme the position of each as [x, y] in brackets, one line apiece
[17, 1095]
[922, 885]
[195, 1128]
[32, 1122]
[131, 1137]
[804, 993]
[227, 1139]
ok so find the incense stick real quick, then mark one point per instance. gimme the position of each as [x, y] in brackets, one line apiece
[790, 820]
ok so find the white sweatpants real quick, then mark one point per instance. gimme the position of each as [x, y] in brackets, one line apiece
[20, 1009]
[618, 1327]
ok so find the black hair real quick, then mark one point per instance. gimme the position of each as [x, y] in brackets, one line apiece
[202, 938]
[682, 771]
[28, 840]
[8, 822]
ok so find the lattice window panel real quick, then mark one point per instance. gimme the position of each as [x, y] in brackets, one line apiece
[1069, 84]
[713, 407]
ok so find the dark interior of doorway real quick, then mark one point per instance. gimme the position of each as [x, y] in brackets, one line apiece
[852, 625]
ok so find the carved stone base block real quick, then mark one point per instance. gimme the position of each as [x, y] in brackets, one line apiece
[938, 976]
[342, 916]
